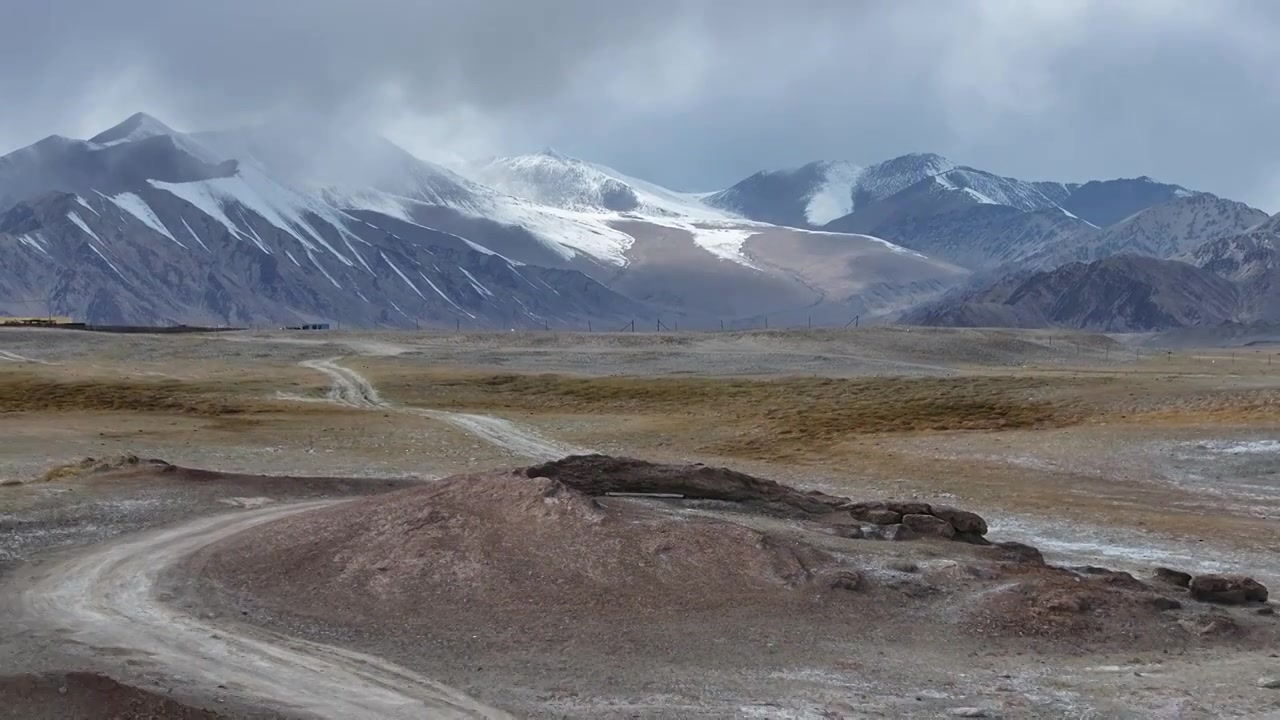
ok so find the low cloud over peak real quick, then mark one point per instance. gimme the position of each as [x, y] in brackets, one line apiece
[693, 94]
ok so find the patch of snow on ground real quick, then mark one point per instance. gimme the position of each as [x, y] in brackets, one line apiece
[724, 242]
[871, 238]
[138, 208]
[1132, 550]
[834, 198]
[1249, 447]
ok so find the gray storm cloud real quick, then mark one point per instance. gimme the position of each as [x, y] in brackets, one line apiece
[690, 93]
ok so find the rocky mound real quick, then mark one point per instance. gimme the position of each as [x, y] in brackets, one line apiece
[531, 551]
[551, 555]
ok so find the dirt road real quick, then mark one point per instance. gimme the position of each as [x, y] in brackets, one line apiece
[354, 390]
[107, 598]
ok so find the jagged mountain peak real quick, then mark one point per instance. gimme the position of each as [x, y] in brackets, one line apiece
[137, 126]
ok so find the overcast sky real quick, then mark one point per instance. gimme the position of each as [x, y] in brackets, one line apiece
[695, 94]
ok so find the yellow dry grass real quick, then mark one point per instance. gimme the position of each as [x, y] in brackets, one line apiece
[761, 418]
[28, 392]
[788, 417]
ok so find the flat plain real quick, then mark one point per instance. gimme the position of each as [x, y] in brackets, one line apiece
[1098, 450]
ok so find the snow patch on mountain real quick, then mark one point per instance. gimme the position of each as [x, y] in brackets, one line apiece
[383, 203]
[193, 235]
[868, 238]
[79, 222]
[138, 208]
[35, 242]
[403, 277]
[278, 205]
[446, 297]
[139, 126]
[725, 242]
[105, 260]
[893, 176]
[480, 288]
[834, 197]
[550, 178]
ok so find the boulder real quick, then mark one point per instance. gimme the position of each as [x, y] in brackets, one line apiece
[876, 513]
[1168, 576]
[962, 520]
[882, 517]
[1108, 576]
[910, 508]
[850, 580]
[895, 532]
[929, 525]
[852, 532]
[1227, 589]
[1019, 552]
[972, 538]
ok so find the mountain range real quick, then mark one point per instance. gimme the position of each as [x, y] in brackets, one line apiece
[142, 224]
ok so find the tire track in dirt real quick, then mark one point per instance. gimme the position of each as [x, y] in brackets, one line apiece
[107, 597]
[16, 358]
[352, 389]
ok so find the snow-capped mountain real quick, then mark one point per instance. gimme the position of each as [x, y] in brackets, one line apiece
[271, 224]
[143, 227]
[1252, 261]
[684, 252]
[1105, 202]
[977, 219]
[554, 179]
[816, 194]
[1167, 230]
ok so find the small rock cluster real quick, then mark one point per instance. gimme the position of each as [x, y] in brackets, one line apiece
[910, 520]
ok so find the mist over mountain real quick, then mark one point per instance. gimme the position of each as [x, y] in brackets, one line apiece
[324, 222]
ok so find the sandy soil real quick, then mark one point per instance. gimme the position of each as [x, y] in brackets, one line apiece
[1168, 458]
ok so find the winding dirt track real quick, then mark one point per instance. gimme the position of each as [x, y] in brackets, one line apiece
[106, 598]
[352, 389]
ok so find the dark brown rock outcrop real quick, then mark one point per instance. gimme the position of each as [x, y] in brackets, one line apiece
[1177, 578]
[1227, 589]
[962, 520]
[603, 474]
[929, 525]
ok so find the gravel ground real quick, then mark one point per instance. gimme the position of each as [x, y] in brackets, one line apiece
[1203, 496]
